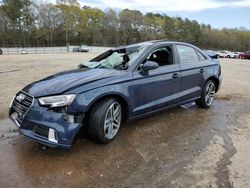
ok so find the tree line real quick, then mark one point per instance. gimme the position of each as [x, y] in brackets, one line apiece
[25, 23]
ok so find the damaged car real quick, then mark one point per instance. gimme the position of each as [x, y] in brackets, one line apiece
[122, 84]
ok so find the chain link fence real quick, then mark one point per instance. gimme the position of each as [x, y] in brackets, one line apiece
[46, 50]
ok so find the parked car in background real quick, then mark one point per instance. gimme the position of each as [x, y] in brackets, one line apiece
[82, 48]
[226, 54]
[222, 54]
[24, 51]
[236, 55]
[245, 55]
[230, 55]
[1, 51]
[124, 83]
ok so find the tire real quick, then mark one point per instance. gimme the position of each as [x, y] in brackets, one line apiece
[228, 57]
[207, 95]
[105, 120]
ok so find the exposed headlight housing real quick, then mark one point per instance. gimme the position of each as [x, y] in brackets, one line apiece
[57, 101]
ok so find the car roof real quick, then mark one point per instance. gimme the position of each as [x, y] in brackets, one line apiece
[152, 42]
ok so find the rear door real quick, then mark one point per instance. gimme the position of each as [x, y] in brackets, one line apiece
[193, 68]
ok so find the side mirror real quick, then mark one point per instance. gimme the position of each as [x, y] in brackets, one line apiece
[149, 65]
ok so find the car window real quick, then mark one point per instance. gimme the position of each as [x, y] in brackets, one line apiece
[162, 56]
[187, 54]
[119, 59]
[201, 56]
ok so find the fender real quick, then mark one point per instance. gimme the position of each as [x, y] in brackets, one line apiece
[84, 101]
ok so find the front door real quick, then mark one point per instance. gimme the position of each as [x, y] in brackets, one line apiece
[156, 88]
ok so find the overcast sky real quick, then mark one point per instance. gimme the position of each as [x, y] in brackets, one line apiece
[218, 13]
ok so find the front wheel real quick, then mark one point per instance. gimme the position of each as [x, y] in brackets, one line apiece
[105, 120]
[207, 95]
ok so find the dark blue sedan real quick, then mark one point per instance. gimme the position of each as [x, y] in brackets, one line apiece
[121, 84]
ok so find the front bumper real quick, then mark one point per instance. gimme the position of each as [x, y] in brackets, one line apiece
[47, 127]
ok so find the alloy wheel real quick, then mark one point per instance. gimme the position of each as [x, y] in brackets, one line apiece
[210, 93]
[112, 120]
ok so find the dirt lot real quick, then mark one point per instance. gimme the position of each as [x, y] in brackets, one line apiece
[184, 147]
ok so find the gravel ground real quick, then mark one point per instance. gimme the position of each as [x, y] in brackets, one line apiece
[16, 71]
[184, 147]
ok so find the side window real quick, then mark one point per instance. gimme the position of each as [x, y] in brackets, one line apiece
[201, 56]
[187, 54]
[163, 56]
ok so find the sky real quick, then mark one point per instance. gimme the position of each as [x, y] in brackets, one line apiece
[218, 13]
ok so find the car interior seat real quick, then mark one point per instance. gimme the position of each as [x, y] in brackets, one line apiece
[162, 57]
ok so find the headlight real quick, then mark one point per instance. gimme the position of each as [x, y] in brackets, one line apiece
[57, 101]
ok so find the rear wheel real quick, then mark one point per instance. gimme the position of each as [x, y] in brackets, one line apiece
[105, 120]
[207, 95]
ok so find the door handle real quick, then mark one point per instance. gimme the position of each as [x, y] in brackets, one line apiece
[175, 75]
[201, 70]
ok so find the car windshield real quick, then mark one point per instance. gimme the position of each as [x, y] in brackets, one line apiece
[119, 59]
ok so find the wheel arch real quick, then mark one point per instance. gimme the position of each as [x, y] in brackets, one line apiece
[124, 102]
[216, 81]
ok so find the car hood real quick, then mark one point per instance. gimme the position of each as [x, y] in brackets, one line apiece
[64, 81]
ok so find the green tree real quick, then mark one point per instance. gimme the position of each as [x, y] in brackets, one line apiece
[39, 23]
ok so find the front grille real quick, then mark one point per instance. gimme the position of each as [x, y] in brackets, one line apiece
[21, 104]
[42, 131]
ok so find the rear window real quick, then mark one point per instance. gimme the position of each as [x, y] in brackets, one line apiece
[187, 54]
[201, 56]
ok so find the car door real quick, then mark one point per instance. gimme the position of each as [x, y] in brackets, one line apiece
[156, 88]
[193, 67]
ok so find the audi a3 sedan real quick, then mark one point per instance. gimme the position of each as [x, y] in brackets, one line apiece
[119, 85]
